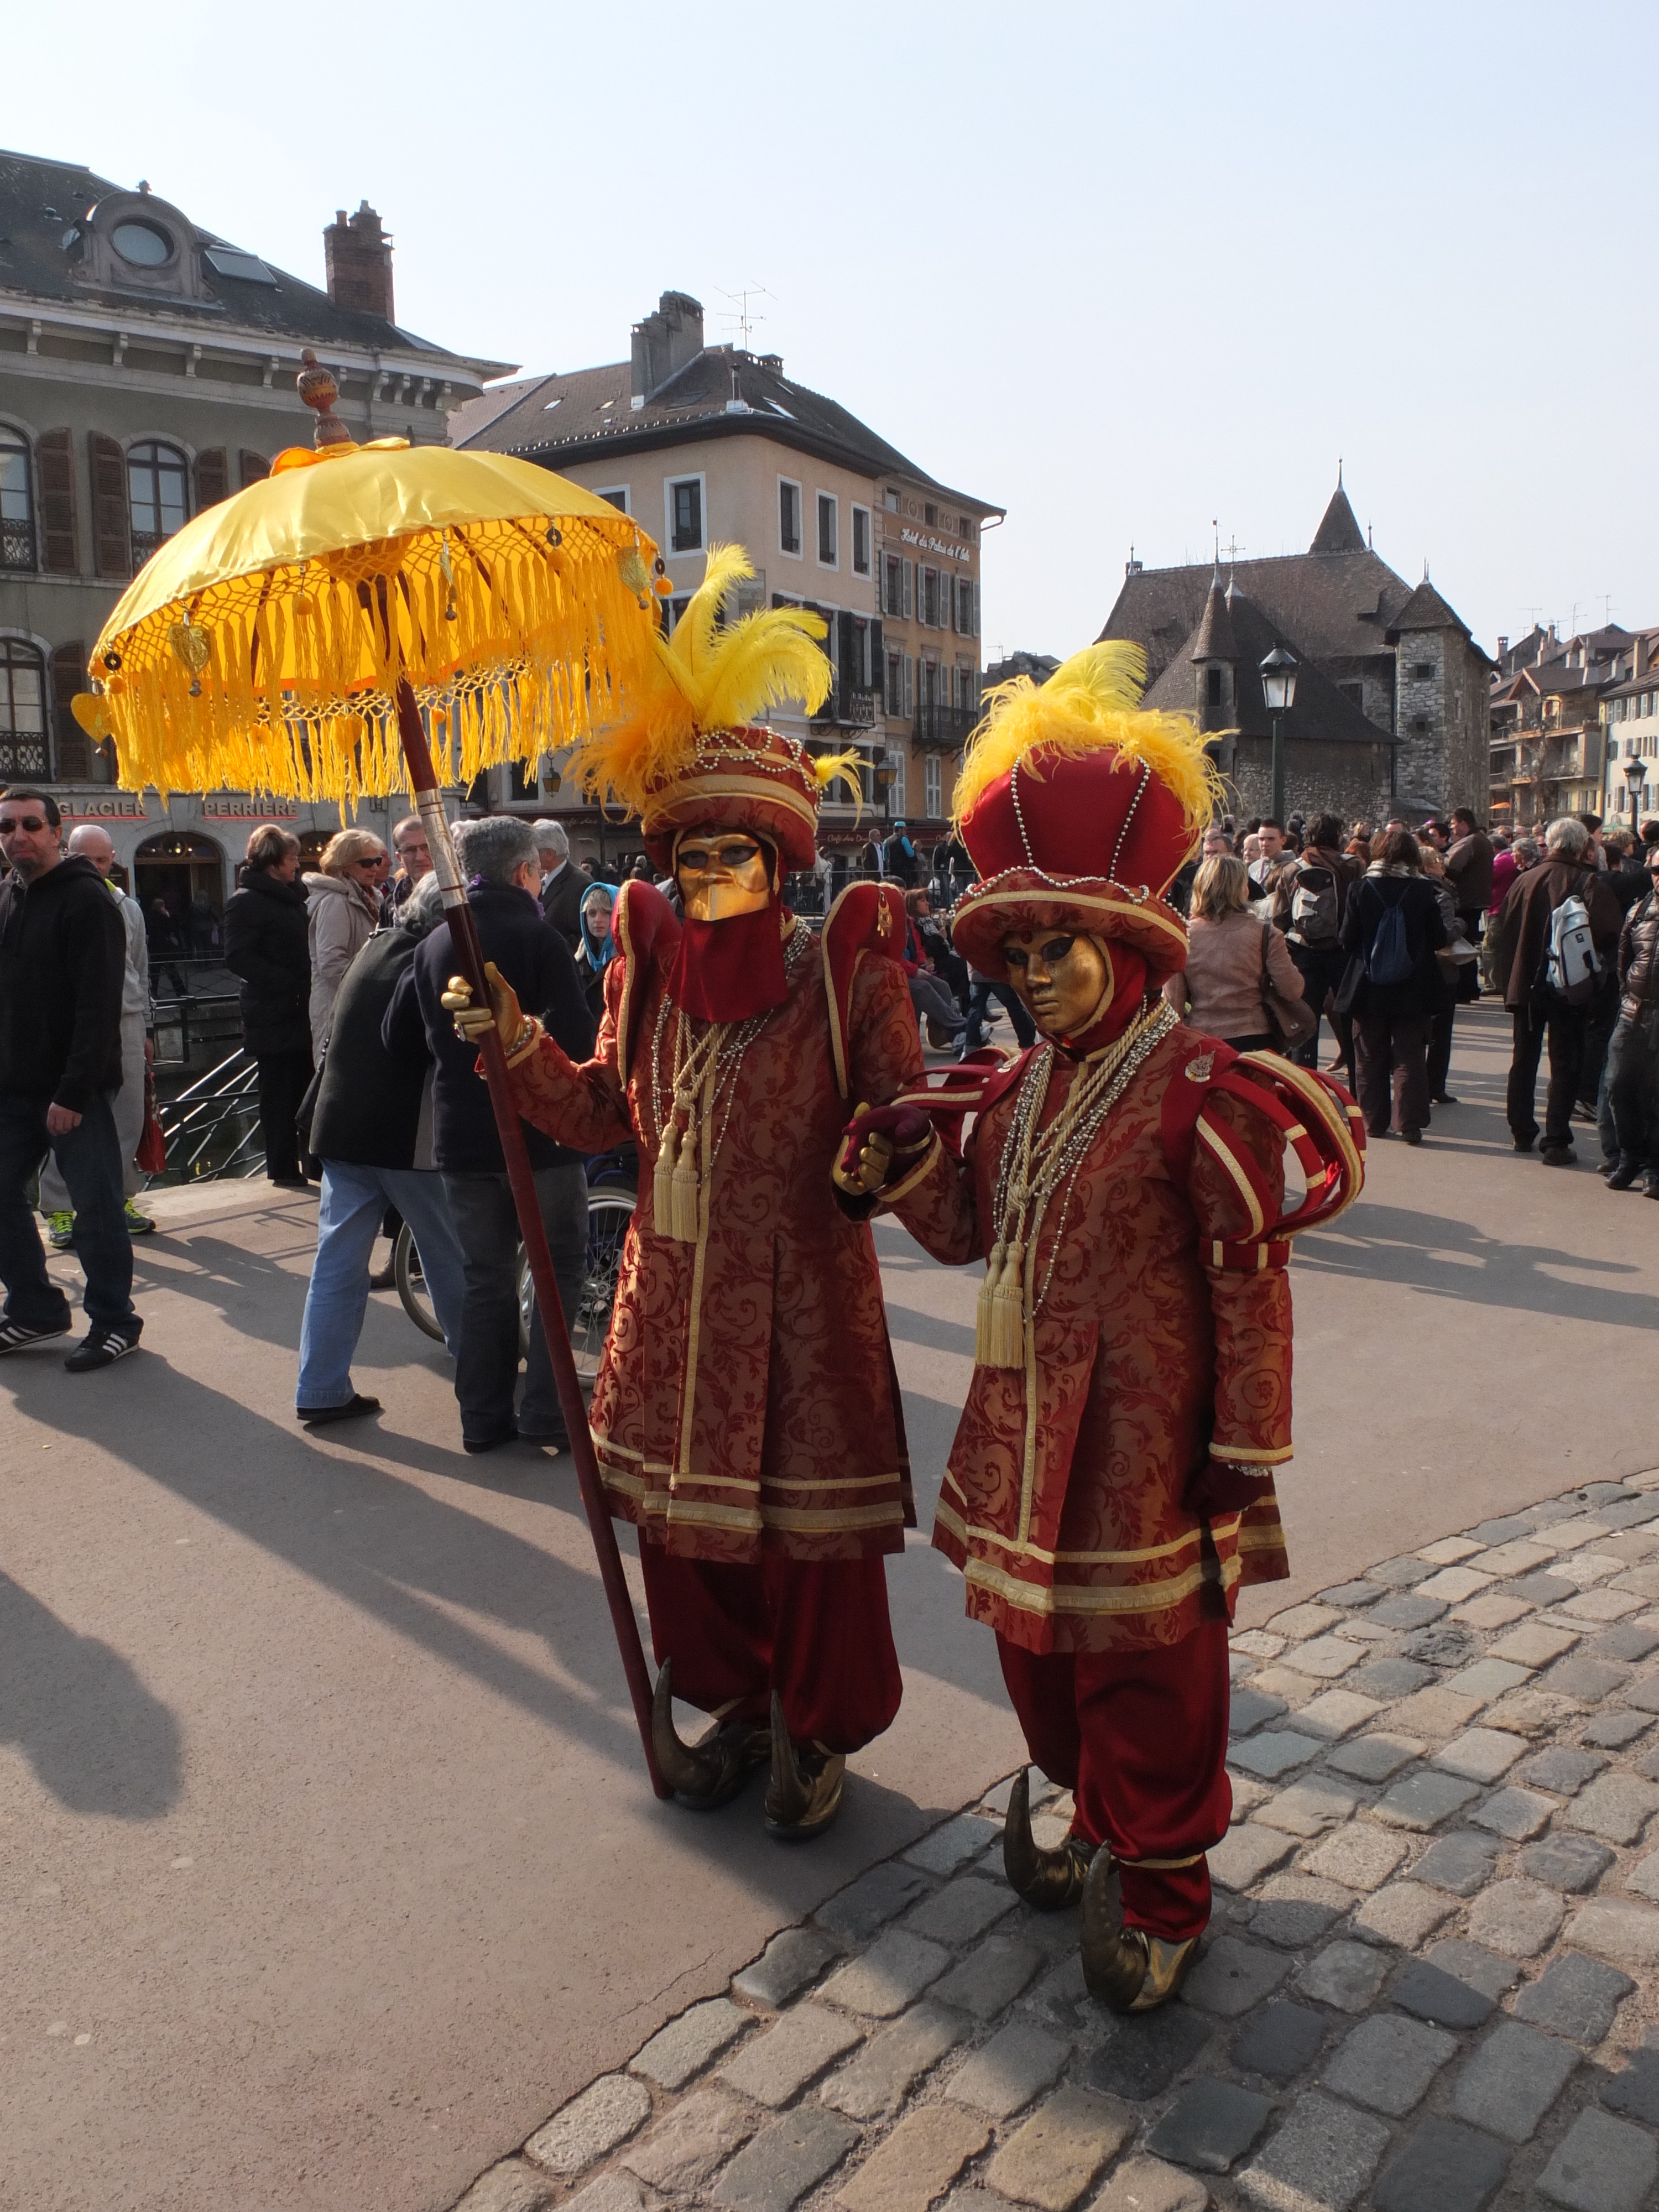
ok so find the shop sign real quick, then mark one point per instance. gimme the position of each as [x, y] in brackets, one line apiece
[122, 807]
[237, 806]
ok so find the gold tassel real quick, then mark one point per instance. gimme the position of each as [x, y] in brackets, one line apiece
[1000, 1330]
[987, 1291]
[685, 1191]
[662, 1183]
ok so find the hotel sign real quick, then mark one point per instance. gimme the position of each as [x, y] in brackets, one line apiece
[925, 542]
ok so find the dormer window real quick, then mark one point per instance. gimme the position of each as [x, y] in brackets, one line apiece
[145, 245]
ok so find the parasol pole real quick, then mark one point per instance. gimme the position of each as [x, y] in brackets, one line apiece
[550, 1312]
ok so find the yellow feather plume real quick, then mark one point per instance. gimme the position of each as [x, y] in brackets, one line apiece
[706, 678]
[841, 767]
[1092, 703]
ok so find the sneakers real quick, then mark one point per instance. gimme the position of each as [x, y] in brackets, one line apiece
[16, 1334]
[102, 1347]
[138, 1225]
[60, 1231]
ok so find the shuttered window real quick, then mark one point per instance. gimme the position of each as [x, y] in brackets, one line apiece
[933, 787]
[788, 516]
[16, 501]
[111, 540]
[54, 457]
[77, 762]
[256, 468]
[212, 476]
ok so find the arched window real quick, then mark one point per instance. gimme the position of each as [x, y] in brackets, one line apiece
[23, 749]
[16, 501]
[158, 491]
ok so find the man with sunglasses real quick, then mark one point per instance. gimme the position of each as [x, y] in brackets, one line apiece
[62, 960]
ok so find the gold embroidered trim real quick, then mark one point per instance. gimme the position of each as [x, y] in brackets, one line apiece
[1251, 1455]
[924, 1166]
[1223, 1152]
[1051, 1598]
[966, 1533]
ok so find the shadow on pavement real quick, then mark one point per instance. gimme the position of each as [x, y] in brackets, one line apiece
[1434, 1252]
[93, 1735]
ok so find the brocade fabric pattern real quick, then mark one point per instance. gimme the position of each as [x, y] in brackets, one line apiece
[1144, 1352]
[746, 1402]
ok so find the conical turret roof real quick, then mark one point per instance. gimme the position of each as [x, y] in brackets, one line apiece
[1214, 641]
[1338, 532]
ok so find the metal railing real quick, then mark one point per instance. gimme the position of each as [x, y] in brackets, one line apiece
[212, 1127]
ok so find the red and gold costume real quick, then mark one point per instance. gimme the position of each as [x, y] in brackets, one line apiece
[746, 1416]
[1110, 1489]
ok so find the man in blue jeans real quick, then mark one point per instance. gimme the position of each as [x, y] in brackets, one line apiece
[62, 959]
[499, 857]
[371, 1128]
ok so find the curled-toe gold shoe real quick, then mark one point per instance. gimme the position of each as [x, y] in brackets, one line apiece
[804, 1790]
[1128, 1970]
[712, 1770]
[1049, 1881]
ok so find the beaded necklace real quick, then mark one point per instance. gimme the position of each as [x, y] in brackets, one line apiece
[1036, 1162]
[701, 1082]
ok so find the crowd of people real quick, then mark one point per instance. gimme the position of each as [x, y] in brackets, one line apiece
[363, 1092]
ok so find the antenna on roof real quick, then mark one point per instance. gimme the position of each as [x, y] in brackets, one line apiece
[1339, 471]
[1370, 546]
[1425, 568]
[744, 320]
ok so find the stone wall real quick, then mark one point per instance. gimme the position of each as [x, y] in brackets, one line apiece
[1348, 779]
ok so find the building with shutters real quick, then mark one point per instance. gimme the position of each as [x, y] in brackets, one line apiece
[147, 369]
[1390, 712]
[712, 445]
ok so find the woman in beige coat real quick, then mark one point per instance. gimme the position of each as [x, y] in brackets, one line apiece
[343, 902]
[1229, 944]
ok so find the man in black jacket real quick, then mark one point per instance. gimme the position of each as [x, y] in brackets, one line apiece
[63, 962]
[370, 1130]
[564, 885]
[499, 854]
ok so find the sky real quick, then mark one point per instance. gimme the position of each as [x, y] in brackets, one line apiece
[1141, 275]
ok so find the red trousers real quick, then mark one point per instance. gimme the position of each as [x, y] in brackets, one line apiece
[817, 1631]
[1141, 1739]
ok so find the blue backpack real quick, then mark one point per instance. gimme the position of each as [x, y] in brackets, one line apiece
[1390, 959]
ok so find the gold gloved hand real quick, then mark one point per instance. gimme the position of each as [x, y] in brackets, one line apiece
[472, 1021]
[870, 1142]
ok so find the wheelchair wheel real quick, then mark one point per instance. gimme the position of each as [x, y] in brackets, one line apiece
[610, 1209]
[412, 1292]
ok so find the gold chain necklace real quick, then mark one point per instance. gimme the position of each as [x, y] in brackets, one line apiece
[1036, 1162]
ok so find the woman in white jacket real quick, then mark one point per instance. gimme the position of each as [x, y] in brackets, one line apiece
[343, 901]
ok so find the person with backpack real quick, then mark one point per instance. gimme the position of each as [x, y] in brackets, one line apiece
[1310, 895]
[1391, 931]
[1555, 932]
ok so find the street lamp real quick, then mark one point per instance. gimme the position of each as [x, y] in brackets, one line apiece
[1279, 689]
[1635, 776]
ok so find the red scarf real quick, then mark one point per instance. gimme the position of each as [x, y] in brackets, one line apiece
[725, 972]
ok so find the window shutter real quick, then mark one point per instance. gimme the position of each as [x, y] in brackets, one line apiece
[910, 685]
[255, 468]
[212, 477]
[54, 457]
[878, 660]
[72, 752]
[112, 525]
[852, 676]
[973, 588]
[909, 588]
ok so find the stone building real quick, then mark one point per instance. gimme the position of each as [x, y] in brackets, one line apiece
[1566, 715]
[147, 369]
[712, 444]
[1390, 713]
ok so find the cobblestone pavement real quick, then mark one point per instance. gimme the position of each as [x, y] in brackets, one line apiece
[1428, 1985]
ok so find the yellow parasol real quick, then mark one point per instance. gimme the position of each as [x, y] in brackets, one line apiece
[262, 647]
[277, 642]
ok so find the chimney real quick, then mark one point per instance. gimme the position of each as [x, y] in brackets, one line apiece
[1639, 654]
[664, 344]
[1131, 566]
[1503, 646]
[357, 254]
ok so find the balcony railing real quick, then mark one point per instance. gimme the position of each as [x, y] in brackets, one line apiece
[944, 729]
[852, 708]
[16, 544]
[22, 752]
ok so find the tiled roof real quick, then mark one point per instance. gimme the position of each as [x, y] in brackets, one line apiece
[1337, 605]
[1320, 710]
[42, 201]
[1214, 641]
[1338, 532]
[723, 392]
[1425, 609]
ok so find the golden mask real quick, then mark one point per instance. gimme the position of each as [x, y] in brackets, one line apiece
[721, 873]
[1063, 982]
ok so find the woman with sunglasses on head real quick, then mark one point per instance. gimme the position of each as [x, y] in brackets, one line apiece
[344, 912]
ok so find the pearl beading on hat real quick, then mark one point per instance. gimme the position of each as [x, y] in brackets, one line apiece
[1072, 883]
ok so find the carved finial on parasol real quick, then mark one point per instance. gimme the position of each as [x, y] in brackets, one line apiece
[319, 389]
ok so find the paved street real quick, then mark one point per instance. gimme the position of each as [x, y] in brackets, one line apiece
[329, 1873]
